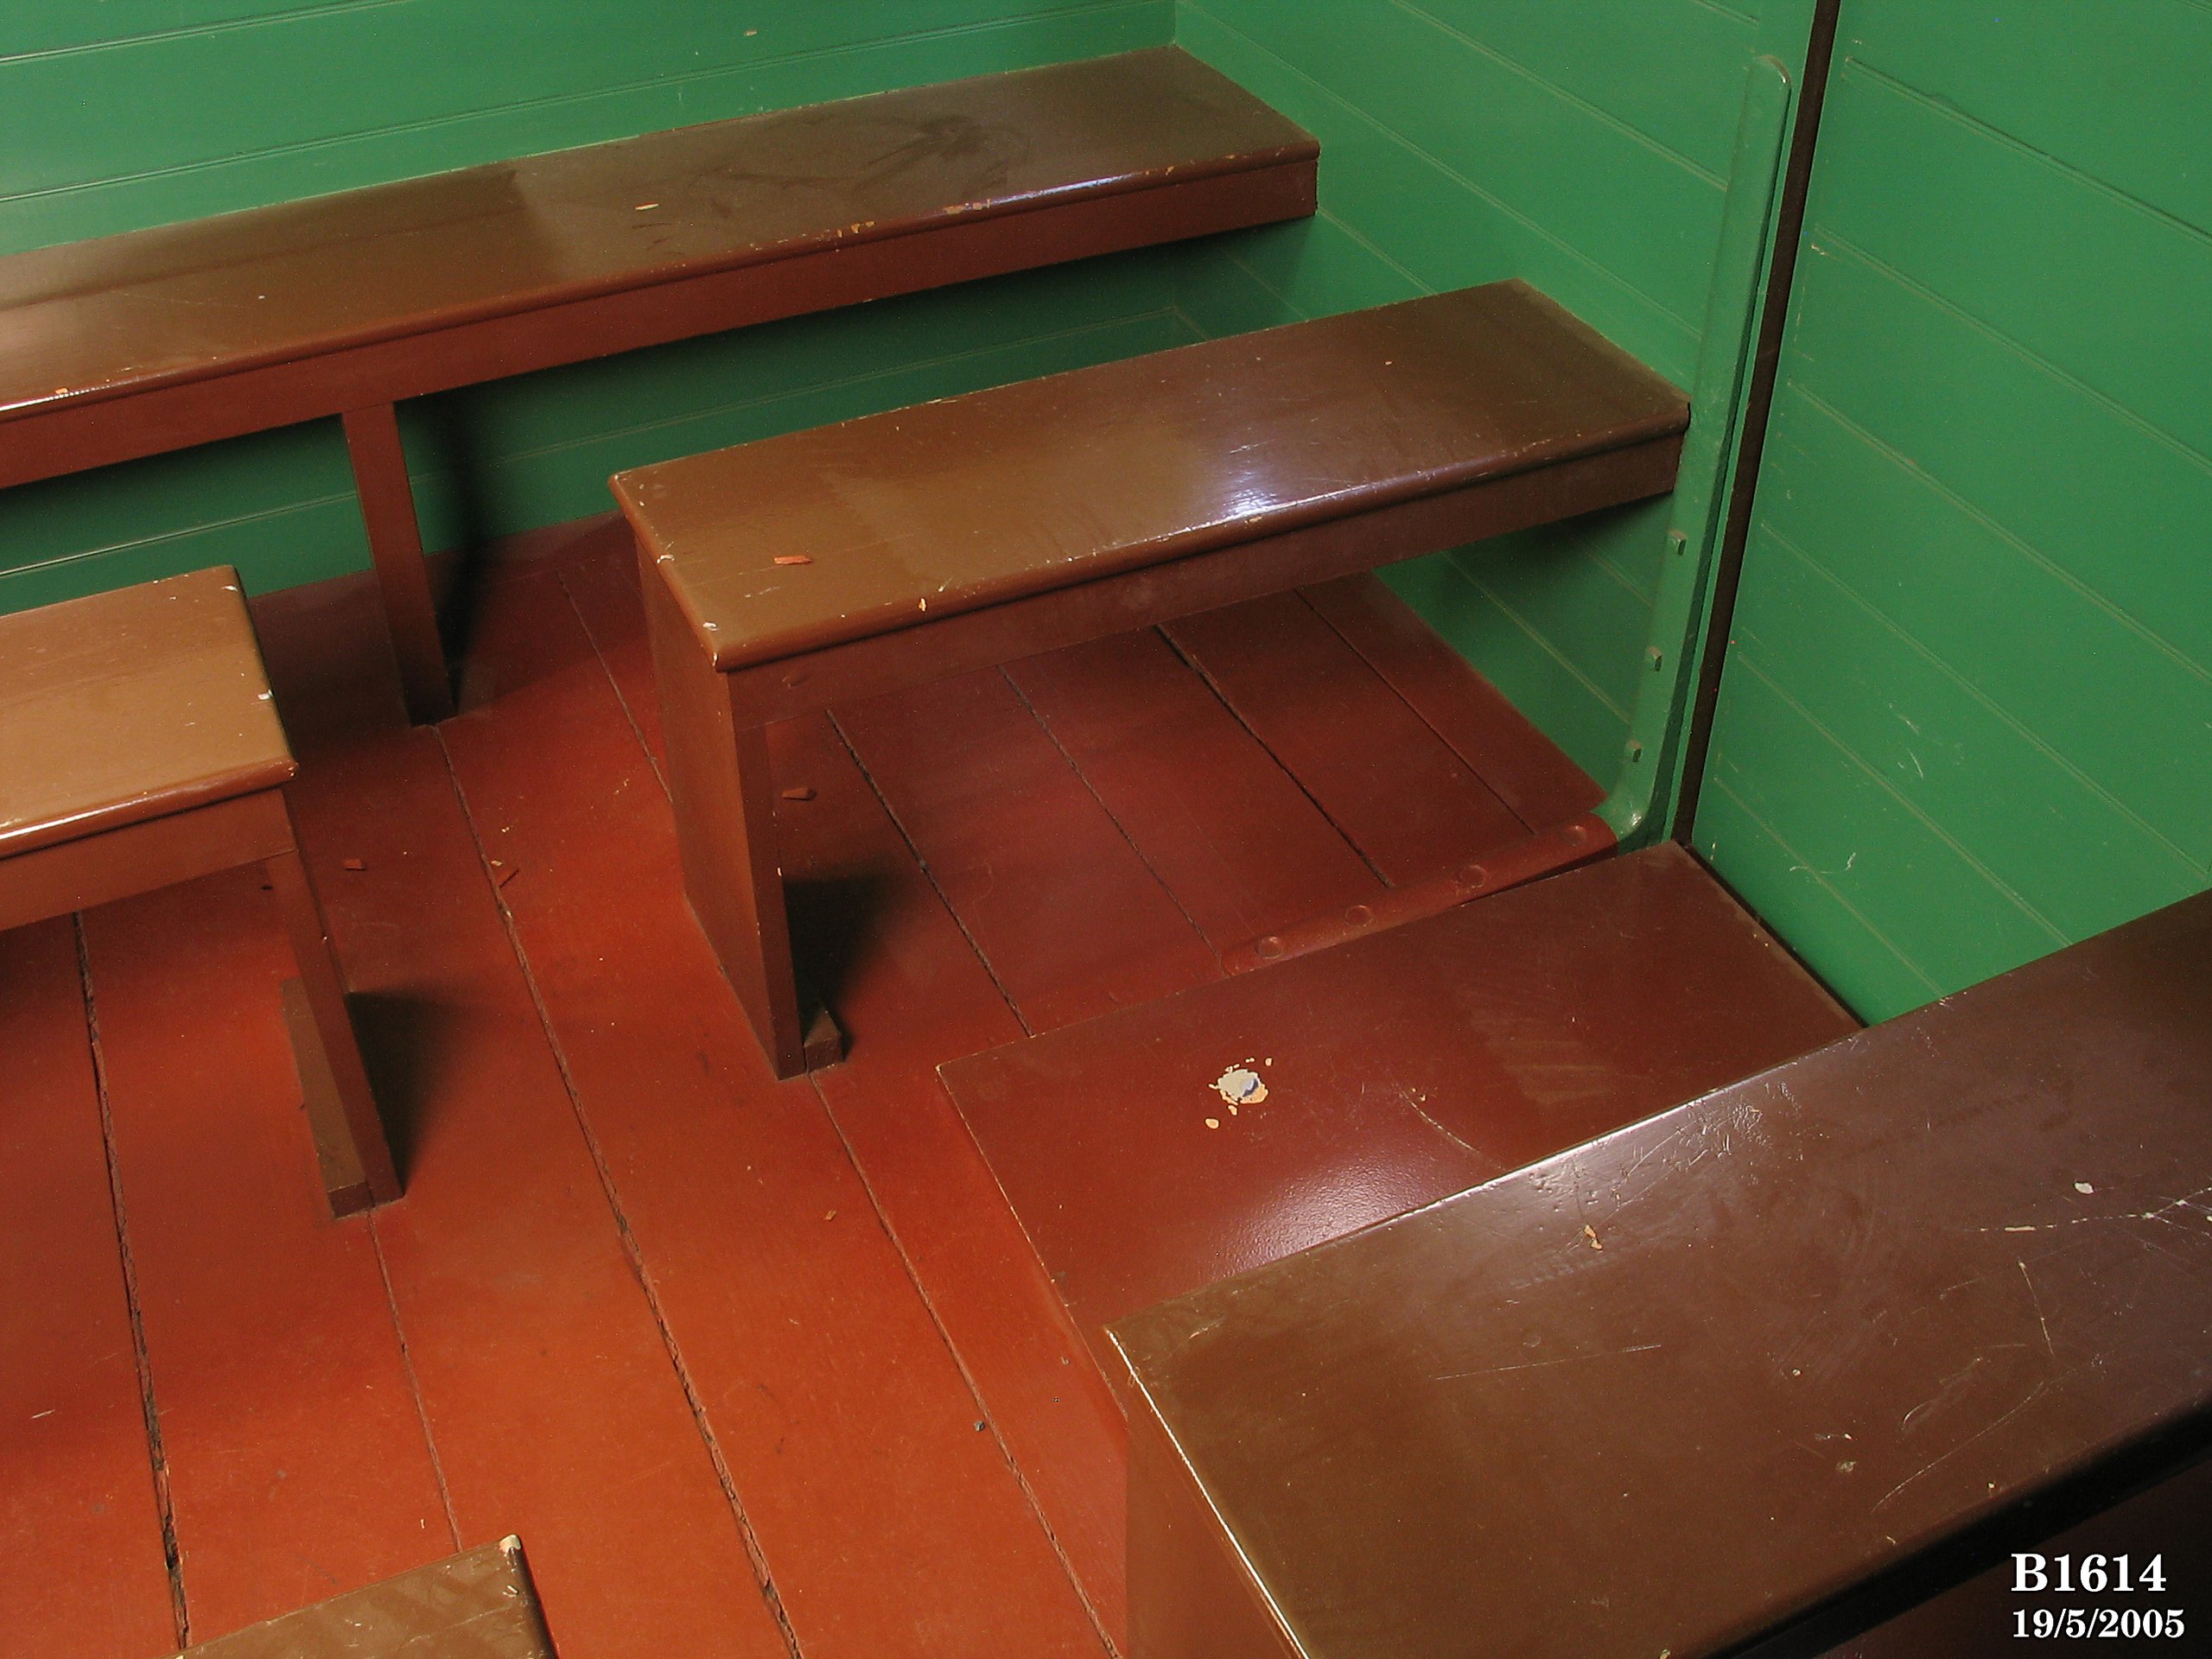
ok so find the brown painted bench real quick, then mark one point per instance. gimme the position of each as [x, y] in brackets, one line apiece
[158, 339]
[139, 746]
[1803, 1350]
[783, 576]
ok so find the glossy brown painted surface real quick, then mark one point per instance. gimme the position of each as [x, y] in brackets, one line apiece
[977, 500]
[1399, 1068]
[1672, 1389]
[128, 705]
[127, 313]
[478, 1605]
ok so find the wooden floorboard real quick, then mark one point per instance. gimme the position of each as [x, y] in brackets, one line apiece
[910, 992]
[1395, 788]
[1219, 820]
[1063, 908]
[889, 1525]
[81, 1564]
[1517, 763]
[298, 1463]
[551, 1394]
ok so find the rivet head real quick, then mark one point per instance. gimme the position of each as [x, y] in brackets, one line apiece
[1359, 915]
[1575, 834]
[1268, 948]
[1472, 875]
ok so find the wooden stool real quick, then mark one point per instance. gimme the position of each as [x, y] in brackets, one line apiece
[138, 746]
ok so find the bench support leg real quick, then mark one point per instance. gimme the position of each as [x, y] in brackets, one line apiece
[357, 1170]
[395, 544]
[718, 780]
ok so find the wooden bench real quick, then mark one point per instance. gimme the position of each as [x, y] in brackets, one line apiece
[139, 746]
[157, 339]
[1805, 1348]
[785, 576]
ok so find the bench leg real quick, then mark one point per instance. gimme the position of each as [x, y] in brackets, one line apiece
[395, 544]
[349, 1141]
[719, 783]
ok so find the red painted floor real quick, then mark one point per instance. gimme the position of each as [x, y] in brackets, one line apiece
[754, 1367]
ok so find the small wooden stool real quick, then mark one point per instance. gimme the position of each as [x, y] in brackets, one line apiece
[139, 746]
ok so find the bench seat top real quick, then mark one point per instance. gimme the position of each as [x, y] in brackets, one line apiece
[1669, 1390]
[131, 704]
[127, 313]
[906, 517]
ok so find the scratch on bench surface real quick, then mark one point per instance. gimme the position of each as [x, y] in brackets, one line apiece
[1543, 1364]
[1980, 1433]
[2040, 1320]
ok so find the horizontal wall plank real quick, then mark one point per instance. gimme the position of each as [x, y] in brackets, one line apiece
[2114, 294]
[2131, 717]
[1862, 967]
[1938, 904]
[1955, 757]
[2094, 87]
[1511, 142]
[2068, 472]
[1671, 70]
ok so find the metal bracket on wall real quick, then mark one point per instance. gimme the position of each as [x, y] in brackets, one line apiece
[1637, 808]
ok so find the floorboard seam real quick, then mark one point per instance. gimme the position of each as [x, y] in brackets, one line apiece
[1120, 829]
[952, 1348]
[607, 670]
[754, 1555]
[1288, 771]
[914, 851]
[414, 1385]
[165, 1507]
[1413, 708]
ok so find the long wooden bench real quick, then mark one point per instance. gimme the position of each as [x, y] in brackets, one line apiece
[158, 339]
[783, 576]
[1808, 1347]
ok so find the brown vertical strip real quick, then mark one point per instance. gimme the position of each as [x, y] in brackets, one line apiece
[396, 544]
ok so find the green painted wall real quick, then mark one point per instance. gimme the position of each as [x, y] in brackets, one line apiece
[1584, 145]
[132, 112]
[1967, 715]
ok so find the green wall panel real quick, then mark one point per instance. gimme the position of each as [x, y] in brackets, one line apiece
[1967, 710]
[132, 112]
[1582, 146]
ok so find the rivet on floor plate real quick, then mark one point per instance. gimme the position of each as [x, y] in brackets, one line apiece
[1269, 948]
[1575, 834]
[1359, 915]
[1474, 876]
